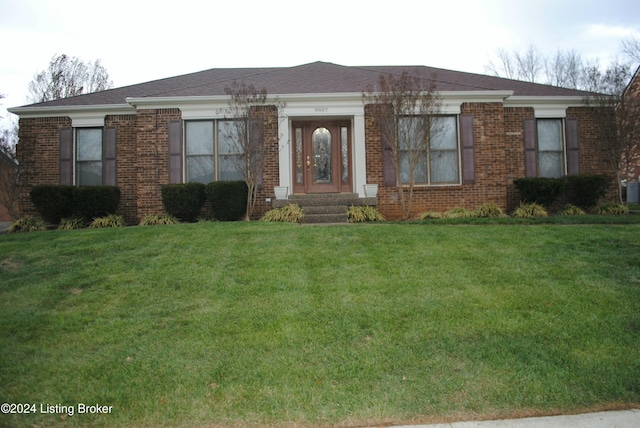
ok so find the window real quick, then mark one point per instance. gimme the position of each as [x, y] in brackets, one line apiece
[89, 156]
[550, 148]
[438, 163]
[212, 151]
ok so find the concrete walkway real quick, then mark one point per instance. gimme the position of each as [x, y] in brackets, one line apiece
[613, 419]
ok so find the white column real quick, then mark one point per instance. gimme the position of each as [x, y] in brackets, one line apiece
[359, 155]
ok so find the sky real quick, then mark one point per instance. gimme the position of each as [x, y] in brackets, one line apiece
[138, 40]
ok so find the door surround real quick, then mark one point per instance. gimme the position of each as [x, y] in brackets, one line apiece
[322, 155]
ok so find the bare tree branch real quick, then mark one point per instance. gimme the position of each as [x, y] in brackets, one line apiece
[67, 77]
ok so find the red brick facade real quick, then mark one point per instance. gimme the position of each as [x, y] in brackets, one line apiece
[143, 159]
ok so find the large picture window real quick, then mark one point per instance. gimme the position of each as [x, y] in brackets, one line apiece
[212, 151]
[89, 156]
[438, 162]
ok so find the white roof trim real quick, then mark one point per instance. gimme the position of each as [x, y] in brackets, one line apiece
[546, 107]
[94, 110]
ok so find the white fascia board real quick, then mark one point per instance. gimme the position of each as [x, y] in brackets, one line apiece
[81, 116]
[452, 100]
[325, 105]
[197, 107]
[546, 107]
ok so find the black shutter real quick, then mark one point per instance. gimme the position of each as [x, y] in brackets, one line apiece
[65, 139]
[467, 149]
[175, 151]
[530, 148]
[109, 156]
[573, 149]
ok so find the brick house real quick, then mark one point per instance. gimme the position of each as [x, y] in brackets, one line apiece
[169, 131]
[632, 92]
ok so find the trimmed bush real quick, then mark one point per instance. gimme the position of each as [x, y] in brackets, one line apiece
[489, 210]
[584, 190]
[183, 201]
[572, 210]
[539, 190]
[111, 220]
[90, 202]
[529, 211]
[156, 220]
[613, 209]
[363, 213]
[53, 202]
[228, 199]
[290, 213]
[458, 212]
[27, 224]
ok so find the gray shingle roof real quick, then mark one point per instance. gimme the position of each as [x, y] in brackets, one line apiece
[316, 77]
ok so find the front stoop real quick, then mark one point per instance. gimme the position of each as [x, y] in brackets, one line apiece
[325, 207]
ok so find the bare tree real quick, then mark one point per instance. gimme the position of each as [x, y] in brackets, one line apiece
[245, 135]
[9, 170]
[617, 116]
[564, 69]
[67, 77]
[631, 49]
[526, 65]
[407, 110]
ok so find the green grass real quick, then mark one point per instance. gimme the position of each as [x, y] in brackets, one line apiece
[218, 324]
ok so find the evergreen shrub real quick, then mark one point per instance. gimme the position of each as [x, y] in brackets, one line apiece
[183, 201]
[228, 199]
[539, 190]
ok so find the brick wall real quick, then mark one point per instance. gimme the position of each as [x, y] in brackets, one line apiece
[126, 160]
[271, 167]
[38, 152]
[490, 167]
[499, 159]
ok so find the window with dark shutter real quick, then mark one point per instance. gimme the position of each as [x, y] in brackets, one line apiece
[65, 139]
[109, 156]
[530, 148]
[175, 151]
[573, 149]
[468, 150]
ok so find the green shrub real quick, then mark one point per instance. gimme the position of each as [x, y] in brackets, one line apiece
[72, 223]
[52, 202]
[290, 213]
[363, 213]
[572, 210]
[458, 212]
[27, 224]
[90, 202]
[613, 209]
[156, 220]
[530, 211]
[489, 210]
[539, 190]
[430, 215]
[110, 220]
[228, 199]
[183, 201]
[584, 190]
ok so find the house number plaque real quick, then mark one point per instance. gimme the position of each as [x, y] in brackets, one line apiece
[321, 109]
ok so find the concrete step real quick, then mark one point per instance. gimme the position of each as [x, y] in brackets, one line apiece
[325, 218]
[324, 209]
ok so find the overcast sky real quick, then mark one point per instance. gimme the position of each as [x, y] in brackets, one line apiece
[138, 40]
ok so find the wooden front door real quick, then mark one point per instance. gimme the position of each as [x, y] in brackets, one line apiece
[322, 156]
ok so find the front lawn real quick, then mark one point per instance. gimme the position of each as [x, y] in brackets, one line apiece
[219, 324]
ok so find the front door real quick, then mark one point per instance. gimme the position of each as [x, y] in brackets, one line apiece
[322, 153]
